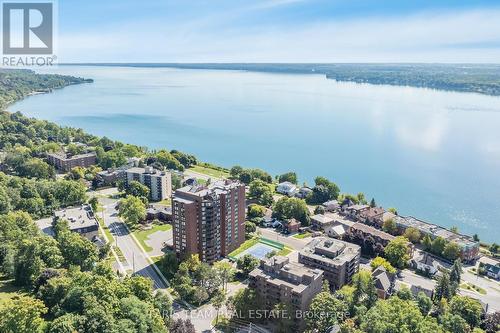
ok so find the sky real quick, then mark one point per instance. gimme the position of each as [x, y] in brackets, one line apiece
[279, 31]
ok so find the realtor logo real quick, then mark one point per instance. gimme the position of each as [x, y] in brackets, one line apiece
[27, 28]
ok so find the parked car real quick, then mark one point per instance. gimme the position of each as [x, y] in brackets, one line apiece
[267, 222]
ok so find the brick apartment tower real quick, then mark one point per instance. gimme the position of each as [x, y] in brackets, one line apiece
[209, 220]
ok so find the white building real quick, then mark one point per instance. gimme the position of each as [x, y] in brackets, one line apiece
[287, 188]
[158, 182]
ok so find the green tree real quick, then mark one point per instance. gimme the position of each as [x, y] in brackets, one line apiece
[454, 323]
[396, 252]
[444, 288]
[467, 308]
[132, 210]
[285, 313]
[397, 316]
[244, 302]
[379, 261]
[373, 204]
[287, 208]
[218, 301]
[438, 245]
[250, 227]
[260, 191]
[424, 303]
[333, 189]
[77, 250]
[390, 227]
[256, 211]
[288, 177]
[137, 190]
[163, 302]
[451, 251]
[94, 203]
[427, 243]
[225, 271]
[413, 235]
[364, 289]
[326, 310]
[456, 271]
[246, 264]
[22, 315]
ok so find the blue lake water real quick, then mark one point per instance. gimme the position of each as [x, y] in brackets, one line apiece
[431, 154]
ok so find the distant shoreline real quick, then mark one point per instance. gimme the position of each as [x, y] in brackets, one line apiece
[469, 78]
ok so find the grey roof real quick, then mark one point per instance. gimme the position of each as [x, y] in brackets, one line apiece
[77, 217]
[382, 279]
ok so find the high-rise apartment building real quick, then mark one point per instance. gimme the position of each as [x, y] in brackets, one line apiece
[209, 220]
[158, 182]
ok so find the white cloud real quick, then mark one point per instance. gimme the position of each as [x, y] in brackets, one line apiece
[427, 37]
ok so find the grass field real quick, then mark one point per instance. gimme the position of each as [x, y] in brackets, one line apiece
[302, 236]
[285, 251]
[245, 246]
[8, 290]
[143, 235]
[209, 171]
[470, 286]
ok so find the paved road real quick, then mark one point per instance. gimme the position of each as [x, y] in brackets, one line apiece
[491, 298]
[137, 260]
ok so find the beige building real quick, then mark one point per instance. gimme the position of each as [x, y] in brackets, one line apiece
[337, 259]
[277, 280]
[158, 182]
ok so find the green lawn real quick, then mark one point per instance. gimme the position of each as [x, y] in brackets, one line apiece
[209, 171]
[470, 286]
[285, 251]
[106, 230]
[8, 290]
[302, 236]
[143, 235]
[245, 246]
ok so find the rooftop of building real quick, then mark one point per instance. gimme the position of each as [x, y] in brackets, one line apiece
[77, 217]
[370, 230]
[435, 230]
[147, 171]
[358, 207]
[279, 271]
[373, 212]
[331, 251]
[65, 156]
[217, 187]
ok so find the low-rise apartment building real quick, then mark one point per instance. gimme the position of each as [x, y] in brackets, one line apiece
[158, 182]
[65, 163]
[80, 219]
[209, 220]
[337, 259]
[371, 240]
[469, 248]
[277, 280]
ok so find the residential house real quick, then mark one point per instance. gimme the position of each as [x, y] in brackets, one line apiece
[291, 226]
[303, 192]
[384, 282]
[331, 206]
[321, 221]
[373, 216]
[287, 188]
[492, 271]
[354, 211]
[425, 263]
